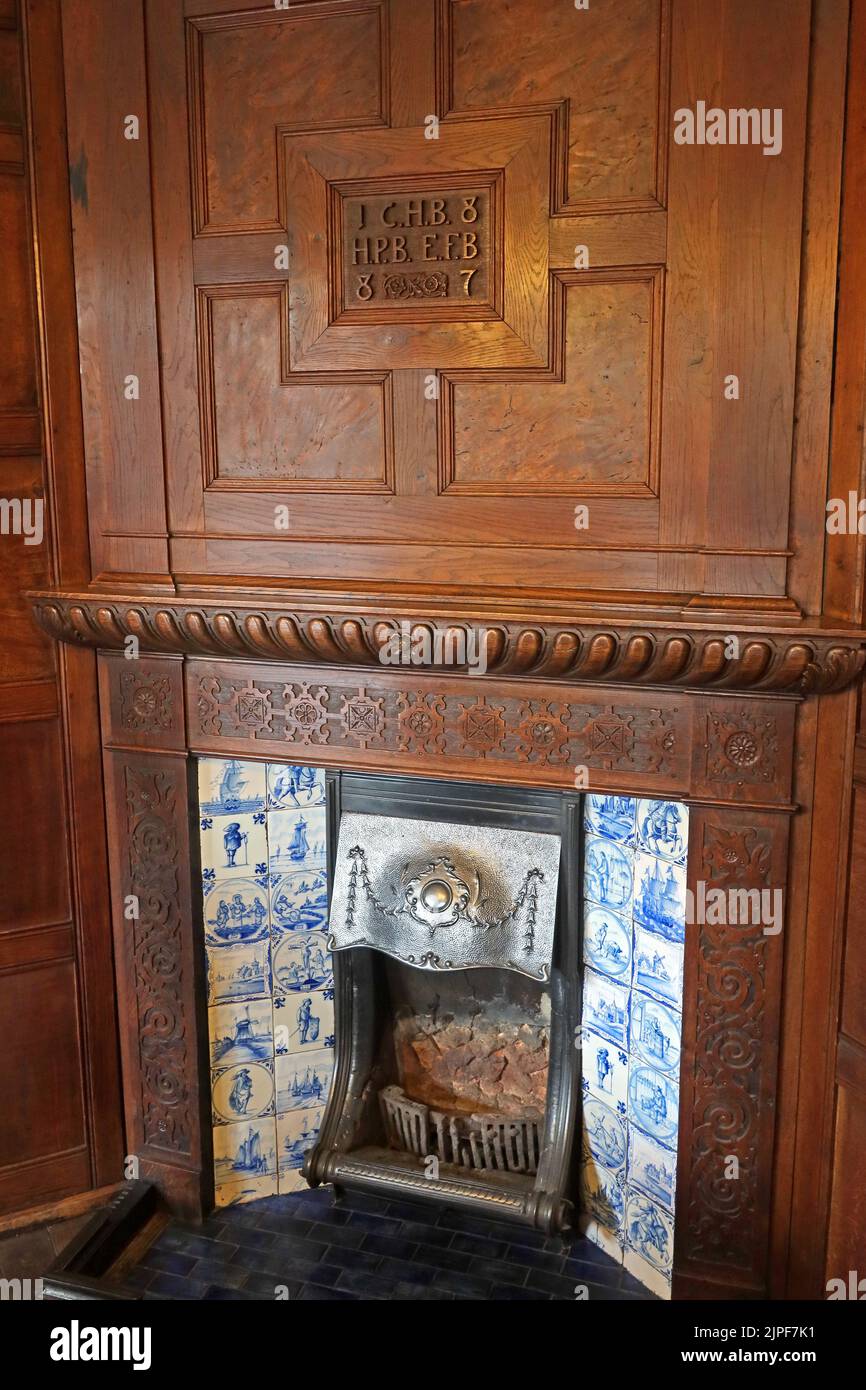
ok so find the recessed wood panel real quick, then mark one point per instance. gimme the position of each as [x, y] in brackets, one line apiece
[285, 71]
[604, 63]
[40, 1066]
[33, 849]
[24, 653]
[17, 358]
[593, 428]
[270, 426]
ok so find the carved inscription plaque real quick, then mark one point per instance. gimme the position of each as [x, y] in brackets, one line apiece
[427, 250]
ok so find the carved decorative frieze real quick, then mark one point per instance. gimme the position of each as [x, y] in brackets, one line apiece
[660, 653]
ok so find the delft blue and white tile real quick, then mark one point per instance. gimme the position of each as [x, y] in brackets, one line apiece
[651, 1168]
[660, 897]
[605, 1070]
[663, 829]
[305, 1024]
[302, 963]
[233, 1194]
[239, 972]
[605, 1007]
[228, 787]
[296, 840]
[607, 874]
[607, 943]
[299, 901]
[603, 1194]
[235, 912]
[604, 1135]
[291, 787]
[297, 1131]
[650, 1232]
[245, 1150]
[653, 1103]
[233, 848]
[658, 966]
[612, 817]
[303, 1082]
[655, 1034]
[245, 1091]
[241, 1032]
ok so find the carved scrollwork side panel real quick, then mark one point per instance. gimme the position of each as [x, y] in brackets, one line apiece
[159, 980]
[731, 1011]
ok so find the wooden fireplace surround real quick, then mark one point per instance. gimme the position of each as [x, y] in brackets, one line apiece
[624, 670]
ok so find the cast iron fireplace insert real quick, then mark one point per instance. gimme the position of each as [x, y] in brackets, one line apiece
[406, 1112]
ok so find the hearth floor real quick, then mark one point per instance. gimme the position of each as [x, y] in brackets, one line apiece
[363, 1247]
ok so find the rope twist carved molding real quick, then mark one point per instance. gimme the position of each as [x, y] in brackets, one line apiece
[652, 655]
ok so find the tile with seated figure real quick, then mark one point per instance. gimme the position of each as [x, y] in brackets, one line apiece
[302, 963]
[243, 1091]
[297, 840]
[304, 1081]
[297, 1131]
[663, 829]
[241, 1032]
[291, 786]
[230, 787]
[607, 943]
[605, 1007]
[612, 817]
[605, 1070]
[236, 912]
[239, 972]
[655, 1033]
[607, 874]
[233, 847]
[604, 1135]
[652, 1168]
[654, 1103]
[303, 1024]
[660, 897]
[299, 901]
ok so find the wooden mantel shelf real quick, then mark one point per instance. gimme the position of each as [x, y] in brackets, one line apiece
[664, 647]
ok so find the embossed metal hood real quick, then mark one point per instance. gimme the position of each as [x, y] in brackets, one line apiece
[444, 896]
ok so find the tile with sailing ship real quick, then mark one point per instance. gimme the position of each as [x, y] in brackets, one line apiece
[233, 847]
[236, 1192]
[660, 897]
[291, 787]
[605, 1007]
[663, 829]
[297, 1131]
[604, 1135]
[241, 1032]
[303, 1081]
[303, 1024]
[607, 874]
[612, 817]
[302, 963]
[245, 1150]
[607, 943]
[235, 912]
[243, 1091]
[296, 840]
[230, 787]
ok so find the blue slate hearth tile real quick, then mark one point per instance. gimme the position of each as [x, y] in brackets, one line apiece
[463, 1285]
[499, 1271]
[443, 1259]
[375, 1225]
[536, 1259]
[343, 1236]
[264, 1286]
[216, 1294]
[168, 1261]
[172, 1286]
[212, 1272]
[584, 1272]
[507, 1293]
[406, 1271]
[479, 1245]
[427, 1235]
[559, 1285]
[421, 1292]
[353, 1259]
[315, 1293]
[390, 1245]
